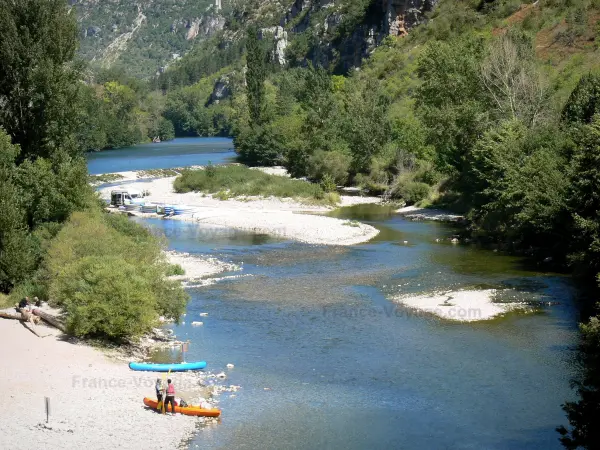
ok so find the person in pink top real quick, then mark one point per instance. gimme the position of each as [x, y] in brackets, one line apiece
[170, 397]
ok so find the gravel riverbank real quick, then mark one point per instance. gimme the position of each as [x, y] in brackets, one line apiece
[285, 218]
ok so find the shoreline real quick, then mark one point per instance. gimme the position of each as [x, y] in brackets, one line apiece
[438, 215]
[200, 270]
[96, 400]
[283, 218]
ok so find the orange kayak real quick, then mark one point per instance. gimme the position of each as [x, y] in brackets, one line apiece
[188, 410]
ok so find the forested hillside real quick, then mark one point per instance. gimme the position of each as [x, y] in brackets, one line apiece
[108, 274]
[142, 37]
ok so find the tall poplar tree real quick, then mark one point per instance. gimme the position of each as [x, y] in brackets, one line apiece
[255, 76]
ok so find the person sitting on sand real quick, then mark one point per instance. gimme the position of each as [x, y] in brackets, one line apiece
[170, 397]
[37, 302]
[159, 393]
[24, 303]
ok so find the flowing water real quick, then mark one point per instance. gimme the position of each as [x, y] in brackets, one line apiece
[326, 359]
[162, 155]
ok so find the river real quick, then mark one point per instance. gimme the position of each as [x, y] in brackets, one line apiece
[179, 152]
[326, 360]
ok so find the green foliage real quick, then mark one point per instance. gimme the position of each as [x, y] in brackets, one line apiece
[211, 171]
[201, 62]
[164, 130]
[327, 183]
[256, 58]
[39, 83]
[333, 165]
[582, 414]
[242, 181]
[107, 273]
[258, 146]
[151, 45]
[174, 269]
[413, 192]
[584, 102]
[518, 186]
[17, 253]
[449, 100]
[110, 277]
[584, 198]
[366, 125]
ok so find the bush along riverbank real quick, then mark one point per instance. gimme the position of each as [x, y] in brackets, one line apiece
[238, 181]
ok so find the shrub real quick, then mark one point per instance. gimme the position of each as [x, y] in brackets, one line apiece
[210, 170]
[331, 198]
[328, 183]
[174, 269]
[106, 297]
[427, 174]
[336, 165]
[413, 192]
[109, 275]
[258, 146]
[235, 181]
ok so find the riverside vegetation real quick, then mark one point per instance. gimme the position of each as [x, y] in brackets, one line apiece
[490, 108]
[237, 181]
[107, 273]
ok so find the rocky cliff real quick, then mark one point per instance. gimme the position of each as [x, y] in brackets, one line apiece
[141, 36]
[343, 36]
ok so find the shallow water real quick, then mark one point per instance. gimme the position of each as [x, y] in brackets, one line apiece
[325, 359]
[179, 152]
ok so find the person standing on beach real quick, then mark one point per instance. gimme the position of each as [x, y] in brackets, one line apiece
[170, 397]
[159, 393]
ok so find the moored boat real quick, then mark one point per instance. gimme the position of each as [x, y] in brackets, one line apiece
[187, 410]
[177, 367]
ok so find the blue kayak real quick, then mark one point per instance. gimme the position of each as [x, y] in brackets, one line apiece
[182, 367]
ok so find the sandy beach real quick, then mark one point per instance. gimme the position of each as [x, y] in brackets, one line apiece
[95, 401]
[284, 218]
[460, 306]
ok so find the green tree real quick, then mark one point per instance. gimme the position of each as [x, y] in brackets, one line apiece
[256, 58]
[450, 99]
[39, 82]
[17, 257]
[258, 146]
[119, 106]
[584, 101]
[366, 124]
[518, 186]
[583, 414]
[584, 198]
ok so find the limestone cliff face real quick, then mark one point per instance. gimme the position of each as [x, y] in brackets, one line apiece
[383, 18]
[402, 15]
[280, 42]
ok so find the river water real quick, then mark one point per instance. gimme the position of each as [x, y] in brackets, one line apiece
[179, 152]
[326, 359]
